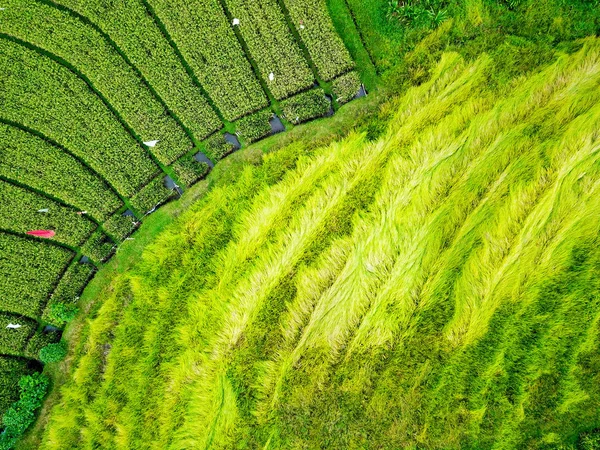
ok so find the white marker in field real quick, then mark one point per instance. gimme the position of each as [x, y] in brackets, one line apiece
[151, 143]
[13, 326]
[271, 76]
[236, 22]
[45, 210]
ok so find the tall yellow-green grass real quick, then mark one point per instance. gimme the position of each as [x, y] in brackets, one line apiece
[438, 287]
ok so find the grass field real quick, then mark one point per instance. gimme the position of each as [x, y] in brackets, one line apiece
[433, 286]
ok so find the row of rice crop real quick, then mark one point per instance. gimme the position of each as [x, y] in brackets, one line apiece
[137, 35]
[84, 48]
[11, 370]
[22, 210]
[272, 46]
[30, 160]
[28, 272]
[15, 332]
[42, 95]
[326, 49]
[219, 62]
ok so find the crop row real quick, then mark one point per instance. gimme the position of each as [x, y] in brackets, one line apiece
[68, 290]
[272, 46]
[45, 96]
[219, 62]
[22, 210]
[345, 87]
[32, 161]
[326, 48]
[151, 195]
[99, 247]
[306, 106]
[15, 331]
[89, 52]
[138, 36]
[11, 369]
[28, 273]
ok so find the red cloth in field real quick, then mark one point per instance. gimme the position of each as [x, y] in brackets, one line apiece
[42, 233]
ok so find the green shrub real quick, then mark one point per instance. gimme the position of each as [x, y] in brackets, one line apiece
[11, 370]
[22, 413]
[305, 106]
[53, 352]
[255, 126]
[60, 313]
[40, 340]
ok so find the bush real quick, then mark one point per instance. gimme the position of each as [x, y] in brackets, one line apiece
[589, 440]
[305, 106]
[22, 413]
[59, 313]
[40, 340]
[255, 126]
[53, 352]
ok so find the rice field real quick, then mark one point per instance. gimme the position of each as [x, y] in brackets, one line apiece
[436, 287]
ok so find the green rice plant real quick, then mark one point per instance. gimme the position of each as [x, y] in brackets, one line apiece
[28, 273]
[27, 159]
[119, 225]
[138, 36]
[151, 195]
[20, 212]
[326, 49]
[48, 98]
[306, 106]
[217, 147]
[84, 48]
[345, 87]
[272, 46]
[99, 247]
[189, 170]
[255, 126]
[14, 340]
[61, 305]
[11, 370]
[220, 63]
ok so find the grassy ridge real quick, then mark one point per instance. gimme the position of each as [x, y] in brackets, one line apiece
[433, 287]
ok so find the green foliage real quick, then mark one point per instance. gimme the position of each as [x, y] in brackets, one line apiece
[138, 36]
[59, 313]
[444, 276]
[22, 413]
[32, 161]
[119, 225]
[84, 48]
[14, 340]
[151, 195]
[53, 352]
[189, 170]
[40, 340]
[418, 13]
[48, 98]
[326, 49]
[589, 440]
[28, 272]
[346, 87]
[99, 247]
[19, 213]
[305, 106]
[272, 46]
[255, 126]
[219, 63]
[217, 147]
[11, 370]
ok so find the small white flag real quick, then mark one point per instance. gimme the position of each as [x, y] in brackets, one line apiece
[151, 143]
[45, 210]
[236, 21]
[271, 76]
[302, 27]
[13, 326]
